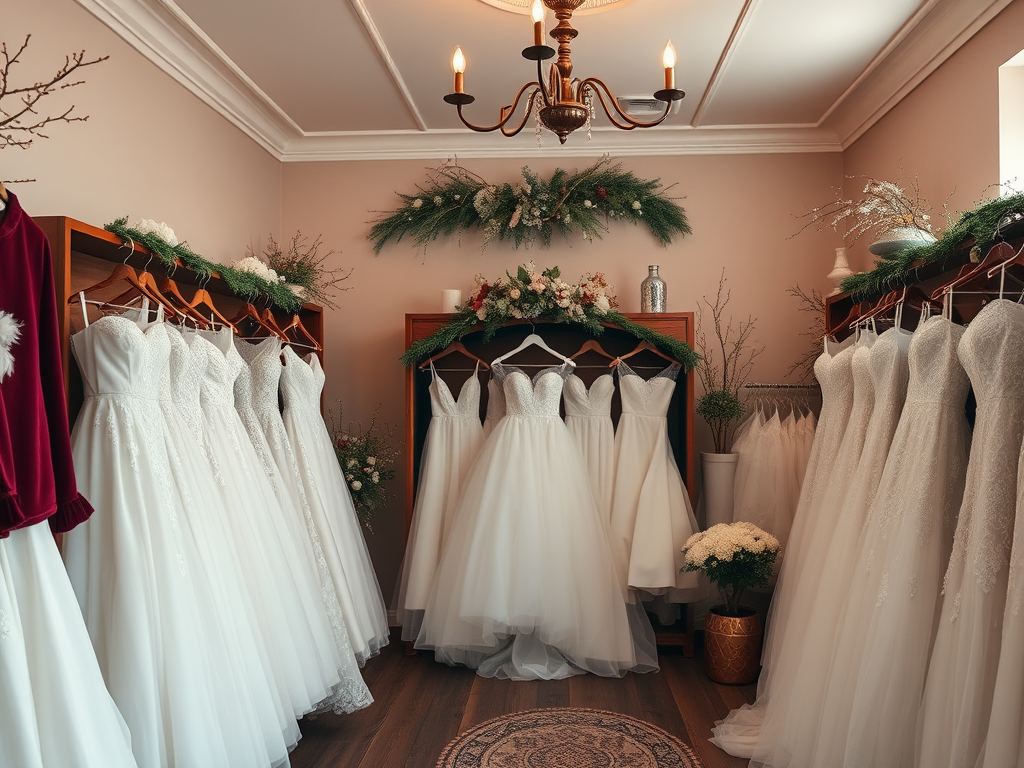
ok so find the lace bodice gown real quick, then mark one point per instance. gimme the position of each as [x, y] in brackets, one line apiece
[887, 365]
[495, 405]
[256, 404]
[334, 515]
[453, 441]
[588, 415]
[129, 563]
[527, 587]
[651, 516]
[869, 714]
[961, 676]
[739, 733]
[292, 616]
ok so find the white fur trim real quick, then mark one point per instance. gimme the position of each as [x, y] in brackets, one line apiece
[10, 332]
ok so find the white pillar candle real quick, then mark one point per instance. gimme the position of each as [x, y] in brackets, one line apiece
[450, 300]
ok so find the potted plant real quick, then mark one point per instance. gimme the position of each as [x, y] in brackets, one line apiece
[725, 361]
[735, 557]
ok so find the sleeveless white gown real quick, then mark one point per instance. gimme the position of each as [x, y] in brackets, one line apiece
[651, 516]
[334, 515]
[961, 678]
[527, 586]
[588, 415]
[57, 712]
[739, 732]
[869, 714]
[453, 441]
[495, 405]
[130, 564]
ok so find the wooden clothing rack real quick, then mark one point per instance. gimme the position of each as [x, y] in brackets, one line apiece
[567, 339]
[83, 255]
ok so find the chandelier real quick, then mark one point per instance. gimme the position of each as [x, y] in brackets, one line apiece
[565, 104]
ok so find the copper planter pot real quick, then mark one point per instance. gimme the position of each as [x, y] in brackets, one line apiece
[732, 646]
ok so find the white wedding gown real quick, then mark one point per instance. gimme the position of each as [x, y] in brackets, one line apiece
[528, 586]
[495, 405]
[453, 441]
[961, 680]
[739, 733]
[651, 516]
[588, 415]
[334, 514]
[869, 714]
[55, 711]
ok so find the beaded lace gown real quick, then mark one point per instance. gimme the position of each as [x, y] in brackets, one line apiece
[130, 564]
[292, 615]
[527, 587]
[453, 441]
[739, 732]
[883, 640]
[334, 515]
[788, 721]
[588, 415]
[961, 679]
[651, 516]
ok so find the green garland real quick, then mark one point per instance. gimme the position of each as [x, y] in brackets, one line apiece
[244, 284]
[454, 201]
[901, 268]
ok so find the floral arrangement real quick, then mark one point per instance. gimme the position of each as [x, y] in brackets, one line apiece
[367, 458]
[285, 283]
[455, 200]
[301, 267]
[720, 405]
[735, 557]
[534, 293]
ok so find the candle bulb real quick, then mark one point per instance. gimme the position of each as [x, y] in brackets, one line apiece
[459, 65]
[537, 11]
[669, 60]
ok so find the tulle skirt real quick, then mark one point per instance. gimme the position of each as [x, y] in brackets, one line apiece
[56, 711]
[528, 586]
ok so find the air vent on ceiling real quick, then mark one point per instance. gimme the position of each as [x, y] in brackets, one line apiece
[644, 106]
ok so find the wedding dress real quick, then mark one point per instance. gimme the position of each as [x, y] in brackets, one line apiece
[766, 492]
[256, 404]
[453, 441]
[739, 732]
[961, 678]
[57, 712]
[331, 505]
[588, 415]
[495, 405]
[527, 587]
[869, 713]
[130, 564]
[810, 654]
[651, 516]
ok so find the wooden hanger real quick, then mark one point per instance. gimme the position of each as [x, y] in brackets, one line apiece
[643, 346]
[201, 298]
[296, 325]
[3, 194]
[271, 322]
[455, 346]
[975, 276]
[851, 318]
[124, 273]
[249, 312]
[591, 345]
[533, 340]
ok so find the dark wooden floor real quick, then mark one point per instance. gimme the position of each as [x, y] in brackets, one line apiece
[422, 705]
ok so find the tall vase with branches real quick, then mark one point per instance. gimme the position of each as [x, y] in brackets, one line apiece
[727, 353]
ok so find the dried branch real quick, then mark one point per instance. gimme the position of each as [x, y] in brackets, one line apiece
[20, 121]
[303, 266]
[814, 303]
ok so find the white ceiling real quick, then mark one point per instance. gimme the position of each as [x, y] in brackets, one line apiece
[338, 79]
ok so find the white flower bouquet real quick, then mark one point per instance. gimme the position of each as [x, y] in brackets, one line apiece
[367, 458]
[735, 557]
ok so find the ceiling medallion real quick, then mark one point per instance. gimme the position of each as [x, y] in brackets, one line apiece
[565, 104]
[589, 6]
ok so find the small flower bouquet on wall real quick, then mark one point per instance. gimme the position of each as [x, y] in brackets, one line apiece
[367, 458]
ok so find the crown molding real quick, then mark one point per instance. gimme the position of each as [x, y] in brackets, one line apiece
[165, 35]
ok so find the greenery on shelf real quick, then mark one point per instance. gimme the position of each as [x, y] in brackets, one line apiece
[896, 270]
[533, 293]
[454, 200]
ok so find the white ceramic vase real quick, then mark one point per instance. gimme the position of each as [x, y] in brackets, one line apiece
[718, 471]
[840, 271]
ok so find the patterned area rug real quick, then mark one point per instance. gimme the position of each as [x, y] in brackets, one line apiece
[567, 738]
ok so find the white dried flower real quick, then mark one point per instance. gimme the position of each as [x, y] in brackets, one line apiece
[254, 266]
[417, 203]
[158, 228]
[375, 477]
[437, 200]
[481, 314]
[636, 205]
[351, 463]
[587, 204]
[356, 485]
[371, 460]
[10, 332]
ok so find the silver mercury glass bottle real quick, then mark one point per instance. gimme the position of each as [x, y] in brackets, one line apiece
[653, 292]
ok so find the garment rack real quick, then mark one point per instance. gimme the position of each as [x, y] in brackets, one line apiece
[781, 386]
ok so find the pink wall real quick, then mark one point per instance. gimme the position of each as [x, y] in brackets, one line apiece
[945, 131]
[150, 149]
[741, 209]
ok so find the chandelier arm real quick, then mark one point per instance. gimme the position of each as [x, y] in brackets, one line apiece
[628, 123]
[507, 112]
